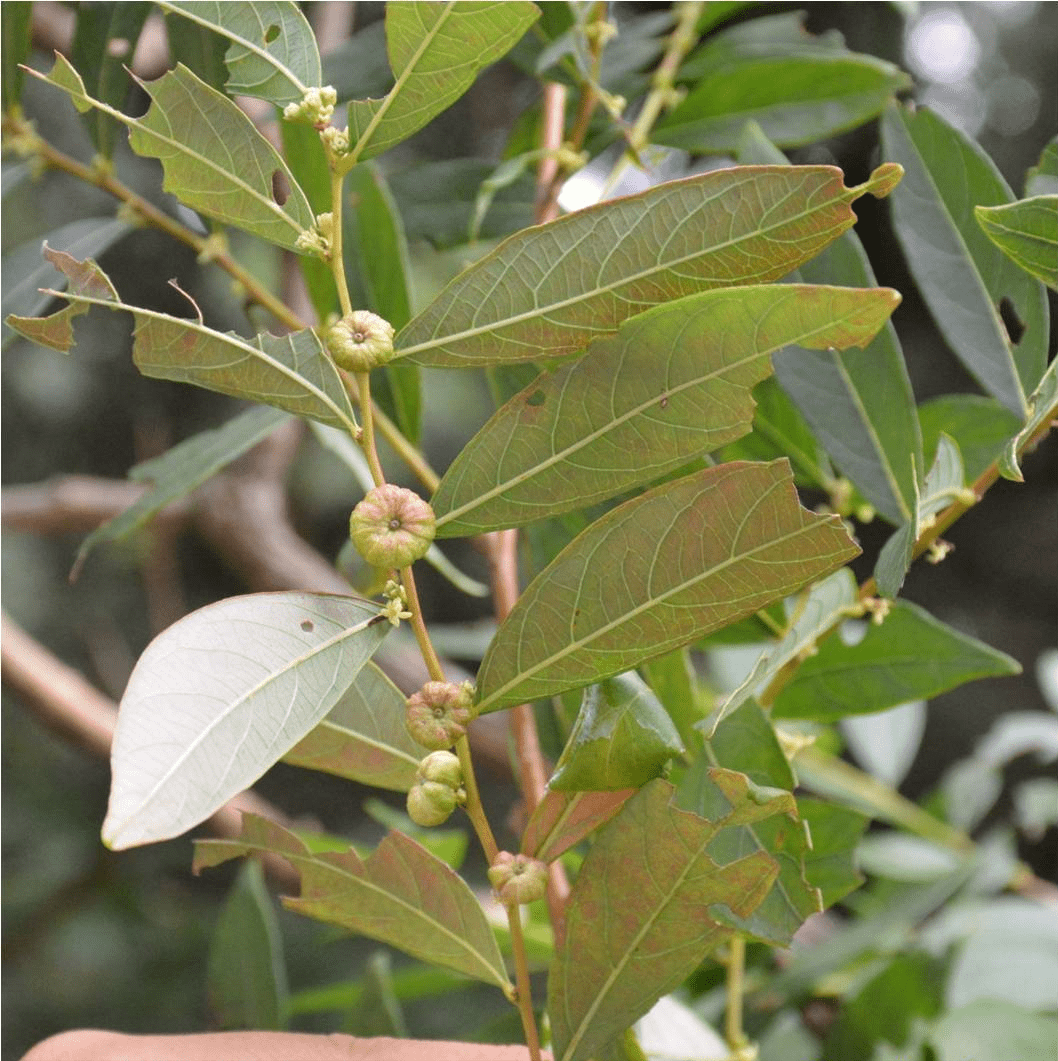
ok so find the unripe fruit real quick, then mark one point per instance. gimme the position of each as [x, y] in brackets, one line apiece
[360, 342]
[518, 878]
[442, 767]
[392, 527]
[431, 803]
[437, 715]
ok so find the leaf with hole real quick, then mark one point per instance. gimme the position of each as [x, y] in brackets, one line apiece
[401, 895]
[220, 696]
[436, 51]
[642, 913]
[363, 738]
[548, 291]
[670, 385]
[212, 155]
[273, 53]
[910, 656]
[656, 573]
[965, 279]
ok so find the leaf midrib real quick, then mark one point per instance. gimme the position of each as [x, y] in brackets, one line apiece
[614, 424]
[573, 646]
[631, 278]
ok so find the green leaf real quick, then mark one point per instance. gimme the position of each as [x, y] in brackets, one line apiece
[642, 915]
[671, 384]
[859, 402]
[84, 278]
[886, 1007]
[562, 819]
[401, 895]
[198, 48]
[1042, 179]
[379, 1012]
[979, 426]
[220, 696]
[795, 96]
[885, 743]
[673, 679]
[835, 832]
[746, 742]
[358, 66]
[779, 430]
[449, 845]
[291, 372]
[961, 274]
[24, 274]
[903, 857]
[1027, 233]
[992, 1029]
[247, 981]
[363, 738]
[621, 739]
[810, 616]
[910, 656]
[376, 258]
[102, 50]
[546, 292]
[15, 20]
[212, 155]
[1043, 406]
[436, 51]
[183, 468]
[647, 578]
[273, 53]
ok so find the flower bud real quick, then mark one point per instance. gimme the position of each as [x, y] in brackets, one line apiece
[443, 768]
[431, 803]
[360, 342]
[518, 878]
[437, 715]
[392, 527]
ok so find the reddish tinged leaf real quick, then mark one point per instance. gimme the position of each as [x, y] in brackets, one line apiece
[547, 291]
[563, 819]
[641, 915]
[659, 572]
[400, 894]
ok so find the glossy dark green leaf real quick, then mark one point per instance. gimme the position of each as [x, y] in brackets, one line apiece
[435, 51]
[980, 426]
[859, 403]
[910, 656]
[547, 292]
[643, 911]
[363, 738]
[1026, 232]
[795, 98]
[103, 45]
[213, 157]
[745, 741]
[273, 54]
[401, 895]
[961, 274]
[656, 573]
[621, 738]
[247, 983]
[15, 41]
[376, 256]
[671, 384]
[563, 819]
[183, 468]
[672, 677]
[26, 271]
[291, 372]
[220, 696]
[830, 863]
